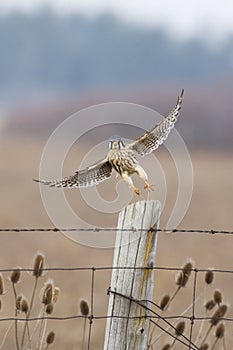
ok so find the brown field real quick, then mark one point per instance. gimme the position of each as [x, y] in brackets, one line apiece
[21, 206]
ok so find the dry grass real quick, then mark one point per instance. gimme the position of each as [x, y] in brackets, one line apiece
[21, 206]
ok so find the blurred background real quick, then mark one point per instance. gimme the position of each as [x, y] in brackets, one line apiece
[58, 57]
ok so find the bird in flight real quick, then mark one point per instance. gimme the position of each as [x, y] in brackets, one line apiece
[122, 157]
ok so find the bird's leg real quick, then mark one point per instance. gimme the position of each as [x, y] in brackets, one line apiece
[142, 174]
[149, 187]
[129, 181]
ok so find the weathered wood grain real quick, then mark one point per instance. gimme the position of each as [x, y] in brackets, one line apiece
[132, 249]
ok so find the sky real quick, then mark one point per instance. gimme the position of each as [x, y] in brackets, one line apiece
[212, 20]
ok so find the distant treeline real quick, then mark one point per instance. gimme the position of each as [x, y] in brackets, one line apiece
[75, 62]
[45, 51]
[205, 121]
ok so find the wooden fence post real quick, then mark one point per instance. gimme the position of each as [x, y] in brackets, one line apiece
[126, 329]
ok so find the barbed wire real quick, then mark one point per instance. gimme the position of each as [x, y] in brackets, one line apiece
[105, 317]
[186, 341]
[139, 302]
[110, 268]
[100, 229]
[151, 312]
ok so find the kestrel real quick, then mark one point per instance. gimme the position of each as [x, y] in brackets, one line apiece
[122, 157]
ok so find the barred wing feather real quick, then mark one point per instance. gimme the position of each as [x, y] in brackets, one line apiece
[151, 140]
[88, 177]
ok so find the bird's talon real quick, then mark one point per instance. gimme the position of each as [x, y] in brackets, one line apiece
[136, 190]
[149, 187]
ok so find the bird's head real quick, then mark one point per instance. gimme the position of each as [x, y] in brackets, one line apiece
[115, 143]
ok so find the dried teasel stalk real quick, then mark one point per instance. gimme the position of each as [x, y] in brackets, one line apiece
[56, 294]
[182, 279]
[2, 289]
[179, 330]
[220, 331]
[47, 293]
[50, 338]
[15, 275]
[38, 265]
[209, 277]
[184, 274]
[24, 306]
[164, 302]
[166, 347]
[187, 268]
[210, 304]
[18, 302]
[216, 318]
[49, 309]
[217, 297]
[84, 307]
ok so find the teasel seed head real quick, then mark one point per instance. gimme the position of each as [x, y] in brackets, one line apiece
[164, 301]
[50, 338]
[180, 328]
[24, 306]
[209, 277]
[210, 304]
[56, 294]
[84, 308]
[47, 296]
[38, 265]
[182, 279]
[2, 289]
[204, 346]
[18, 302]
[218, 315]
[49, 309]
[187, 268]
[220, 330]
[15, 275]
[179, 278]
[217, 297]
[166, 347]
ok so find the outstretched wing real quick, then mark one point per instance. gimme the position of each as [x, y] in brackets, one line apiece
[151, 140]
[90, 176]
